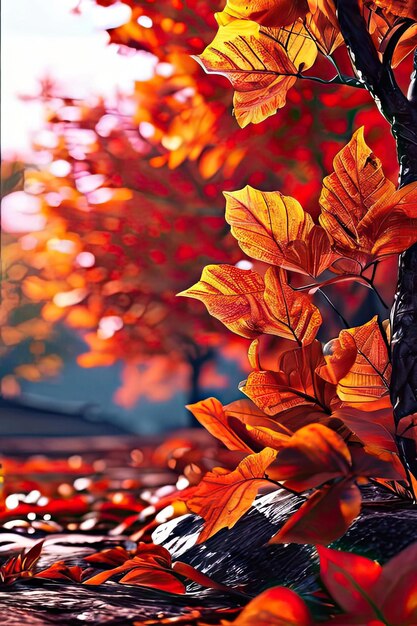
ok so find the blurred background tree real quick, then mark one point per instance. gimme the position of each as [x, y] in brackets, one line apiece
[123, 206]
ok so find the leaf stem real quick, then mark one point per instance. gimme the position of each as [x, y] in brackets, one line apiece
[340, 316]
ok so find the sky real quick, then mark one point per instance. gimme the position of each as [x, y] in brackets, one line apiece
[46, 38]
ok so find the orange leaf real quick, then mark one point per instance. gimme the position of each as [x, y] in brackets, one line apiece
[60, 571]
[275, 229]
[354, 188]
[155, 578]
[249, 306]
[20, 566]
[275, 607]
[402, 8]
[314, 455]
[294, 384]
[390, 226]
[324, 517]
[261, 63]
[210, 413]
[192, 574]
[222, 497]
[366, 383]
[324, 31]
[239, 425]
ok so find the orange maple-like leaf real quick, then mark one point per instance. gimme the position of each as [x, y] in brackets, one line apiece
[240, 425]
[360, 209]
[360, 365]
[275, 229]
[293, 383]
[324, 517]
[362, 587]
[261, 63]
[277, 606]
[222, 497]
[251, 305]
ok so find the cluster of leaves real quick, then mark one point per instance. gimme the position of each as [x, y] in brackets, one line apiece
[320, 420]
[356, 590]
[322, 404]
[106, 244]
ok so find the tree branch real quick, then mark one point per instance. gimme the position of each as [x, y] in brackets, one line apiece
[401, 112]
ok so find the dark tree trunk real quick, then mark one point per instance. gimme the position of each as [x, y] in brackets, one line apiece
[197, 363]
[401, 112]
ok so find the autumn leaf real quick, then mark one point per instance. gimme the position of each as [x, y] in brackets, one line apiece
[349, 578]
[60, 571]
[364, 381]
[149, 566]
[324, 517]
[265, 12]
[313, 456]
[275, 229]
[277, 606]
[223, 497]
[293, 383]
[250, 305]
[327, 7]
[20, 566]
[239, 425]
[111, 556]
[325, 31]
[391, 226]
[261, 63]
[374, 428]
[360, 209]
[154, 578]
[396, 588]
[405, 46]
[363, 587]
[402, 8]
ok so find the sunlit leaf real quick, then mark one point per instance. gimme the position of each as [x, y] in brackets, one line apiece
[265, 12]
[363, 383]
[360, 209]
[250, 305]
[239, 425]
[261, 63]
[275, 229]
[293, 383]
[223, 497]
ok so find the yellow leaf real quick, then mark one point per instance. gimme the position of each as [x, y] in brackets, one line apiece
[261, 63]
[265, 12]
[275, 229]
[355, 186]
[250, 306]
